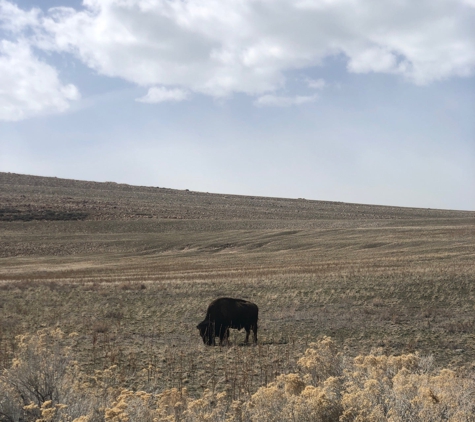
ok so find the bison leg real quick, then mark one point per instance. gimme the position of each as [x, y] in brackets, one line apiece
[212, 336]
[254, 329]
[224, 337]
[248, 331]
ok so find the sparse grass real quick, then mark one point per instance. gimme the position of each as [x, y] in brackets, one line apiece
[402, 309]
[133, 289]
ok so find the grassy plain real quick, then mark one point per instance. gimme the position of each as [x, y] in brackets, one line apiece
[132, 270]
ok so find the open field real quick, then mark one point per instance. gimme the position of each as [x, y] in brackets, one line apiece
[131, 270]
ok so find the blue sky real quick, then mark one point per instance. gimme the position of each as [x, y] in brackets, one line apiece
[344, 100]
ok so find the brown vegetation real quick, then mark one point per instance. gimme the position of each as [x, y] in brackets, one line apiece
[132, 277]
[44, 385]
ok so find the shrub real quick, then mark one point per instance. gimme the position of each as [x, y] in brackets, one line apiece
[44, 385]
[289, 398]
[37, 373]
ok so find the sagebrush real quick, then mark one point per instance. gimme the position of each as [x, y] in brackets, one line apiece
[45, 384]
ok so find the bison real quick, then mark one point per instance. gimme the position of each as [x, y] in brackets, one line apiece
[225, 313]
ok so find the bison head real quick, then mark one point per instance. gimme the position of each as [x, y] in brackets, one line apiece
[206, 332]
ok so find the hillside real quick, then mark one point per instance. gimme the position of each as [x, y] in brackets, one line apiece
[27, 198]
[132, 269]
[79, 217]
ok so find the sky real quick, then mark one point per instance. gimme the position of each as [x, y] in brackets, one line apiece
[362, 101]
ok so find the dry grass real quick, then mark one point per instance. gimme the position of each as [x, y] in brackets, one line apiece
[133, 311]
[133, 288]
[44, 385]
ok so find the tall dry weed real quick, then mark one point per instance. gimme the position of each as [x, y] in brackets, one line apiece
[45, 385]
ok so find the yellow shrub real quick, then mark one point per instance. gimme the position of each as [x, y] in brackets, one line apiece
[213, 407]
[321, 360]
[289, 398]
[329, 388]
[131, 406]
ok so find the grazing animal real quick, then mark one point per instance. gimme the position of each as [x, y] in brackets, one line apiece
[225, 313]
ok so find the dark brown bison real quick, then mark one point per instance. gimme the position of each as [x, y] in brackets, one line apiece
[225, 313]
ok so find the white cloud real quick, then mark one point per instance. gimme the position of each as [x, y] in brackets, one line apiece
[283, 101]
[28, 86]
[316, 83]
[373, 60]
[248, 46]
[160, 94]
[14, 19]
